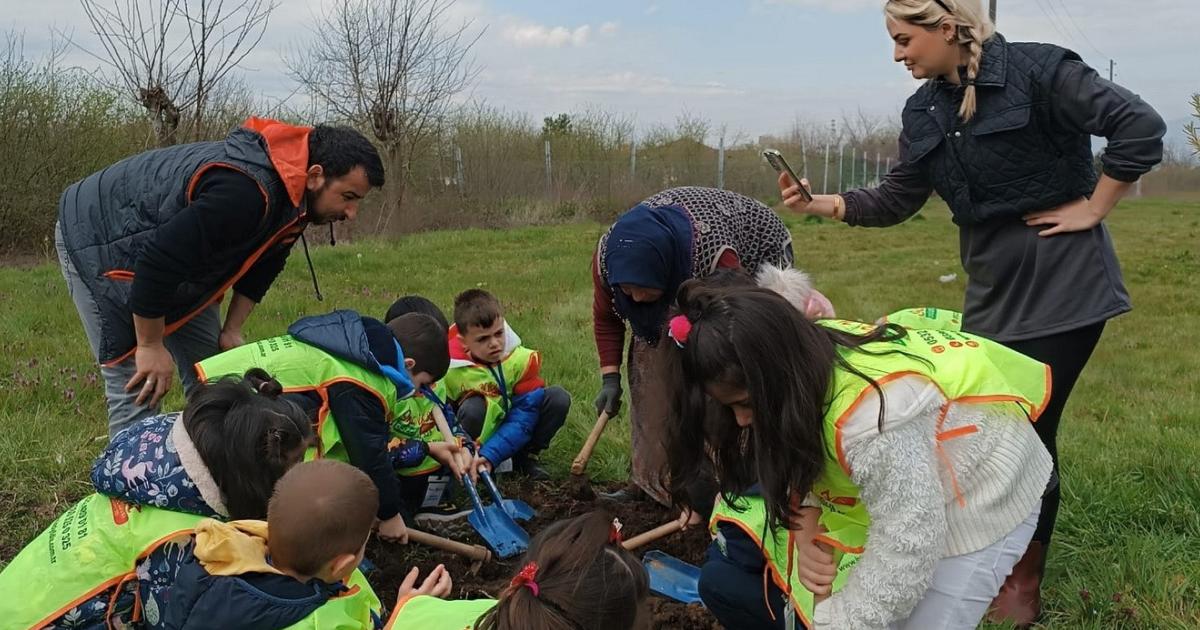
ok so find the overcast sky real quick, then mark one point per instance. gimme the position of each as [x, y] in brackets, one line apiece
[753, 65]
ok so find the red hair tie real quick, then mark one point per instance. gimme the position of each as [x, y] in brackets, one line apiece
[526, 578]
[614, 534]
[679, 329]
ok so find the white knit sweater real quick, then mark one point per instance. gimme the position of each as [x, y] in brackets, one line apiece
[1001, 471]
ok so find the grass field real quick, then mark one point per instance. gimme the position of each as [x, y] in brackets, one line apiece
[1127, 551]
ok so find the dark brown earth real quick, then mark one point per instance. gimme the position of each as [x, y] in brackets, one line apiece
[553, 500]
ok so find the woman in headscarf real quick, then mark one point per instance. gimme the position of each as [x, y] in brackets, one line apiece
[675, 235]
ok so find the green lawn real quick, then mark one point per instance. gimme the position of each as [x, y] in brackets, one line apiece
[1127, 552]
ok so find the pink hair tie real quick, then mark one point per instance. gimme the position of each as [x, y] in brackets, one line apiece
[526, 578]
[679, 329]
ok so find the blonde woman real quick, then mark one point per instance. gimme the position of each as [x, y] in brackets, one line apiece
[1002, 132]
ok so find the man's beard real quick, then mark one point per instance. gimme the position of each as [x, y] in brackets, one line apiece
[311, 208]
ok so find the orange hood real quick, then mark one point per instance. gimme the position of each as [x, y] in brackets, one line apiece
[287, 145]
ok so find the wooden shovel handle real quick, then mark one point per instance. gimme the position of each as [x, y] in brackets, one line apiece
[473, 552]
[585, 453]
[646, 538]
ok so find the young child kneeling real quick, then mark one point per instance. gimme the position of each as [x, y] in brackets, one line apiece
[351, 373]
[296, 570]
[417, 438]
[912, 450]
[496, 383]
[112, 558]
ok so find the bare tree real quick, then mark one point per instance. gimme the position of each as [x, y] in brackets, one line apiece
[220, 37]
[170, 55]
[862, 129]
[391, 66]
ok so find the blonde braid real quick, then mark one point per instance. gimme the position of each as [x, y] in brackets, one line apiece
[972, 29]
[970, 37]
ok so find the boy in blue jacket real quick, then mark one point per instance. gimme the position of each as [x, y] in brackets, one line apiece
[496, 383]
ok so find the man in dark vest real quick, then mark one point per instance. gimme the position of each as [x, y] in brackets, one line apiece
[150, 245]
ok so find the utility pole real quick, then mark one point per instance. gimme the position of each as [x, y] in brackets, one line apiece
[1111, 64]
[992, 11]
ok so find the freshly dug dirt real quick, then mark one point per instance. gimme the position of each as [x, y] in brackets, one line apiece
[553, 501]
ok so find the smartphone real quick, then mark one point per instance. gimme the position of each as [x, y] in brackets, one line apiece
[775, 159]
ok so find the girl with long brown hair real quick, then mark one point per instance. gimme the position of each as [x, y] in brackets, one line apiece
[1002, 131]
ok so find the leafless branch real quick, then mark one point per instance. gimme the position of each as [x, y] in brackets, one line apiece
[394, 67]
[170, 55]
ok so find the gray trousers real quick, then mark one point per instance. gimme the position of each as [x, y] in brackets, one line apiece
[194, 341]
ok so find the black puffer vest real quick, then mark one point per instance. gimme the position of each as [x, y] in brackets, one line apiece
[109, 216]
[1009, 159]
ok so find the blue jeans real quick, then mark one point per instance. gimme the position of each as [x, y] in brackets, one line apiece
[731, 585]
[192, 342]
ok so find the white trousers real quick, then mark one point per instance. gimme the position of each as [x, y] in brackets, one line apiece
[963, 586]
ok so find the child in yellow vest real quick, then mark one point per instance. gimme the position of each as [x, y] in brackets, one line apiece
[914, 445]
[218, 458]
[112, 562]
[296, 570]
[415, 426]
[496, 384]
[575, 575]
[350, 372]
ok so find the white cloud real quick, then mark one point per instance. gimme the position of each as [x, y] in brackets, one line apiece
[609, 28]
[652, 9]
[540, 36]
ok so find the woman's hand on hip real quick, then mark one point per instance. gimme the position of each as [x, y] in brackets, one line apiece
[1075, 216]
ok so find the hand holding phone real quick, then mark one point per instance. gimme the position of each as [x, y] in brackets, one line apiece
[775, 159]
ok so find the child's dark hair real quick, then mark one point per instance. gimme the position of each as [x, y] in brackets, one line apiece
[319, 511]
[584, 580]
[247, 436]
[423, 340]
[476, 307]
[340, 149]
[753, 338]
[416, 304]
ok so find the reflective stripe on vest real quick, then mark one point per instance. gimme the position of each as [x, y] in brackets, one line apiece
[776, 549]
[300, 367]
[966, 368]
[356, 609]
[91, 548]
[477, 380]
[431, 613]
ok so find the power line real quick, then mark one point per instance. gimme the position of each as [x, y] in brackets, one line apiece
[1075, 24]
[1066, 39]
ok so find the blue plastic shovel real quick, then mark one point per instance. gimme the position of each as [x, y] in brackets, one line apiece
[516, 508]
[497, 528]
[669, 576]
[672, 577]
